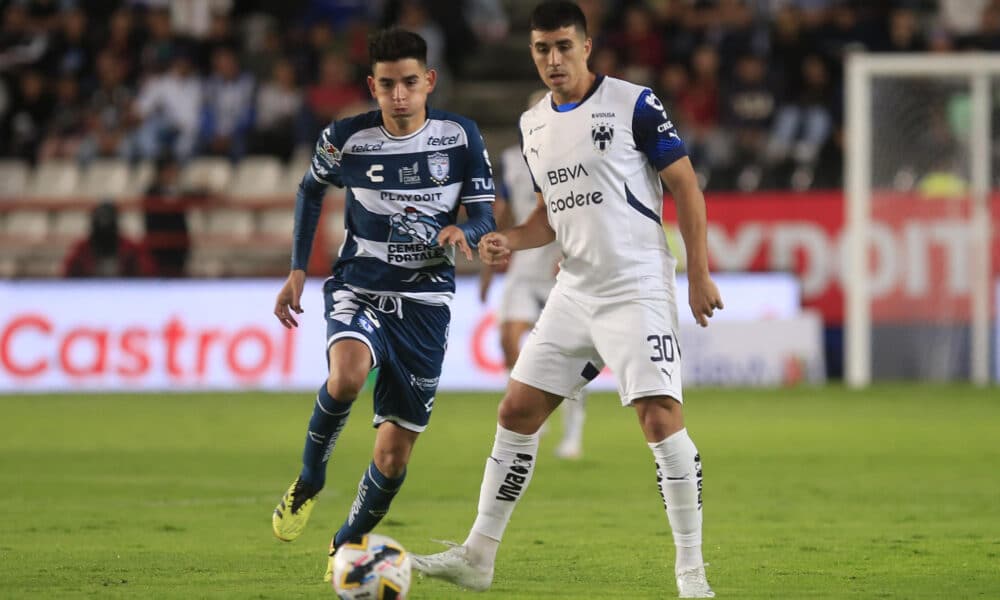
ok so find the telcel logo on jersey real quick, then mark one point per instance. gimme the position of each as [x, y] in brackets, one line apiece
[445, 140]
[366, 147]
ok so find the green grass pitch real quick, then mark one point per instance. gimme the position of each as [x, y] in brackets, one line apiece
[809, 493]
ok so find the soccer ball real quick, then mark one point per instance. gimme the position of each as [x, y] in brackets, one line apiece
[377, 568]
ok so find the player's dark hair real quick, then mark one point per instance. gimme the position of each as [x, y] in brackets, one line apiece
[394, 44]
[549, 16]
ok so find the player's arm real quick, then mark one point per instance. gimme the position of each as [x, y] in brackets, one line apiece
[324, 170]
[535, 232]
[657, 138]
[681, 180]
[503, 216]
[477, 195]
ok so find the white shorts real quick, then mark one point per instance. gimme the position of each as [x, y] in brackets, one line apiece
[523, 298]
[575, 338]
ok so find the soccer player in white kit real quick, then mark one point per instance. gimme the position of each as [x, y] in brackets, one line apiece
[527, 282]
[598, 148]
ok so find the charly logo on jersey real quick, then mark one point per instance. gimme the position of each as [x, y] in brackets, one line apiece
[601, 133]
[439, 167]
[412, 237]
[411, 174]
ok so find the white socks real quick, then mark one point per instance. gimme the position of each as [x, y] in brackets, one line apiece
[678, 474]
[574, 413]
[508, 473]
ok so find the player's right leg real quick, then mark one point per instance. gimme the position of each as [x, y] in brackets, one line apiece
[507, 475]
[552, 365]
[350, 361]
[351, 344]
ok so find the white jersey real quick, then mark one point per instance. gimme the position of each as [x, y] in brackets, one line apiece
[596, 164]
[517, 188]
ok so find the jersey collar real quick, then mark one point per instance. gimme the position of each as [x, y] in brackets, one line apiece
[572, 105]
[385, 132]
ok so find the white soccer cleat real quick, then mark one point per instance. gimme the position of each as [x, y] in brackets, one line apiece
[453, 565]
[692, 583]
[569, 449]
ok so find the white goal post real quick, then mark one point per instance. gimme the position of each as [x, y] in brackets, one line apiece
[980, 71]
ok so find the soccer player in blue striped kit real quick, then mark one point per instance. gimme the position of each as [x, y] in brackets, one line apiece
[599, 150]
[407, 170]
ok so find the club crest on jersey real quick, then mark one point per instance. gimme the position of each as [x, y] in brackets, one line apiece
[602, 134]
[437, 164]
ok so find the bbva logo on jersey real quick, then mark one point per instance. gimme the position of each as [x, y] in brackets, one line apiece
[602, 134]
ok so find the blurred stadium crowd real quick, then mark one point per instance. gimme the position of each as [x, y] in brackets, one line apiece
[220, 101]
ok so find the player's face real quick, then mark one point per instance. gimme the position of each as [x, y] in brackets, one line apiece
[401, 87]
[561, 59]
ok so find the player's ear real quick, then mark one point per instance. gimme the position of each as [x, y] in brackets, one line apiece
[432, 77]
[588, 45]
[371, 85]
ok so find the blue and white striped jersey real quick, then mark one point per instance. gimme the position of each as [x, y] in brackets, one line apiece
[401, 191]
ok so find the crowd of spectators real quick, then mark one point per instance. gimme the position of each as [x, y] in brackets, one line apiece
[135, 79]
[754, 85]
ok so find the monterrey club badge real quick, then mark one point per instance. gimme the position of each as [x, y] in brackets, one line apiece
[602, 134]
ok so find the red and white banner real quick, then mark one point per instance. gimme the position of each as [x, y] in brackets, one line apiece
[920, 249]
[203, 335]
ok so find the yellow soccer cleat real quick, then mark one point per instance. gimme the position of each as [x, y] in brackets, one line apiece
[328, 576]
[292, 514]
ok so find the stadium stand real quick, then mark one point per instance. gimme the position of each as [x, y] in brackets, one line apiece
[91, 93]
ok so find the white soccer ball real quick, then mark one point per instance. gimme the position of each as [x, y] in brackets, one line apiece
[378, 568]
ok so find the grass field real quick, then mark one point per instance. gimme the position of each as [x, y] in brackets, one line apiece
[809, 493]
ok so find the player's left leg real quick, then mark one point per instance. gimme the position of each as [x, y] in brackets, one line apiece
[645, 356]
[679, 479]
[381, 481]
[416, 338]
[574, 414]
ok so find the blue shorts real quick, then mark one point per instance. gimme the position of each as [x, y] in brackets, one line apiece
[407, 340]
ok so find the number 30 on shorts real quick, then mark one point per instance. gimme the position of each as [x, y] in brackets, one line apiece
[663, 347]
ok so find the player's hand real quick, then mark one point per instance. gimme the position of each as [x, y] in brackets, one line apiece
[289, 299]
[453, 236]
[704, 298]
[493, 249]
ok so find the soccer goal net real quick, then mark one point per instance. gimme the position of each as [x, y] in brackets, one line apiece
[921, 255]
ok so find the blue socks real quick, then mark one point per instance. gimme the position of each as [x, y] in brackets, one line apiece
[328, 420]
[375, 493]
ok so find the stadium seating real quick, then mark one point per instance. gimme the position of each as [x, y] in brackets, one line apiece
[209, 175]
[105, 179]
[13, 178]
[258, 177]
[240, 225]
[56, 180]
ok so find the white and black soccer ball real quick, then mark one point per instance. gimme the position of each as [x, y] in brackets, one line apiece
[378, 568]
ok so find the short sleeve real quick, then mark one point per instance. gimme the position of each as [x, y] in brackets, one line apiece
[325, 167]
[478, 183]
[654, 132]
